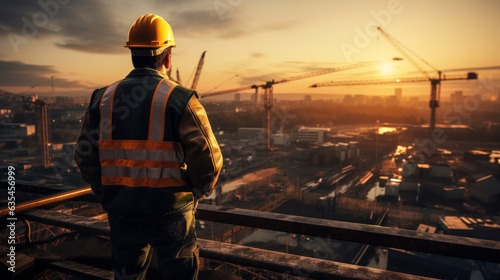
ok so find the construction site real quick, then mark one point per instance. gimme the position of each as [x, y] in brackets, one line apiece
[354, 187]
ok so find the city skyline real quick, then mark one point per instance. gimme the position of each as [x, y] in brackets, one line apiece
[81, 43]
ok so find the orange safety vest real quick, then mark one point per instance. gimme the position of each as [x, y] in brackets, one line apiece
[152, 163]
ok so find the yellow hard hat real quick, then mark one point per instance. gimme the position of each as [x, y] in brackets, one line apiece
[152, 32]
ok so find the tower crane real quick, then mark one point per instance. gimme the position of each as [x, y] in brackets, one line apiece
[198, 71]
[435, 82]
[268, 89]
[41, 111]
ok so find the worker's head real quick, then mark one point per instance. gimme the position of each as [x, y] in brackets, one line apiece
[150, 40]
[156, 62]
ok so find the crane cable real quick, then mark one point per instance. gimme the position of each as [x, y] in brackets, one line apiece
[34, 86]
[236, 75]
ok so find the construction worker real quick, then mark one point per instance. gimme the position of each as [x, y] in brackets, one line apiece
[147, 146]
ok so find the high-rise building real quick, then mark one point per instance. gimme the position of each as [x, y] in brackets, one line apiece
[307, 98]
[398, 92]
[312, 134]
[391, 101]
[457, 97]
[375, 101]
[16, 130]
[348, 100]
[359, 99]
[237, 97]
[414, 100]
[254, 98]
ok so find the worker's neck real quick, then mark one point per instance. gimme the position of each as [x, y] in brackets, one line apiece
[163, 70]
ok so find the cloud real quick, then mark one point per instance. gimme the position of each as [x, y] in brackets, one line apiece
[97, 26]
[18, 74]
[204, 22]
[257, 55]
[87, 26]
[193, 23]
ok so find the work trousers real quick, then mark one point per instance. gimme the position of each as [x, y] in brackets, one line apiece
[172, 236]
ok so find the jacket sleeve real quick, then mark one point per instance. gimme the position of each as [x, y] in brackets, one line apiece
[87, 154]
[201, 150]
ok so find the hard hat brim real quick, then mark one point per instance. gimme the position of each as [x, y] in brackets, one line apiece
[150, 46]
[147, 51]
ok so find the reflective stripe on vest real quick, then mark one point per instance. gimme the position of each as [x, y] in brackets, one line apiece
[157, 117]
[106, 110]
[150, 163]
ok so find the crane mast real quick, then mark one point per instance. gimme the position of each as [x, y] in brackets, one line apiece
[198, 71]
[42, 117]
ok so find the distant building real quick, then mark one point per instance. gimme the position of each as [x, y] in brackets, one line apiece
[251, 132]
[6, 115]
[480, 162]
[64, 100]
[280, 139]
[237, 97]
[392, 188]
[307, 98]
[476, 155]
[312, 134]
[339, 137]
[327, 152]
[432, 180]
[16, 130]
[426, 228]
[375, 101]
[359, 99]
[4, 112]
[391, 101]
[341, 151]
[457, 97]
[470, 227]
[414, 100]
[348, 99]
[254, 98]
[486, 189]
[422, 170]
[398, 92]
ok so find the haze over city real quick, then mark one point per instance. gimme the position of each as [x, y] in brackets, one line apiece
[81, 42]
[327, 139]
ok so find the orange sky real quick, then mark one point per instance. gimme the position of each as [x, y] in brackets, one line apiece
[81, 42]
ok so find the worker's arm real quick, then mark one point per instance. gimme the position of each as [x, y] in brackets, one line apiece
[87, 154]
[202, 152]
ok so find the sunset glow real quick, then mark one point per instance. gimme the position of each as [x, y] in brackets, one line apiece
[82, 43]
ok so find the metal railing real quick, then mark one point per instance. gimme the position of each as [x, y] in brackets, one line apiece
[455, 246]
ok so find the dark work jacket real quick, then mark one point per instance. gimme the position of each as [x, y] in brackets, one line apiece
[185, 125]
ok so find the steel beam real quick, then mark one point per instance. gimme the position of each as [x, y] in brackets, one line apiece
[47, 200]
[442, 244]
[288, 264]
[241, 255]
[32, 187]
